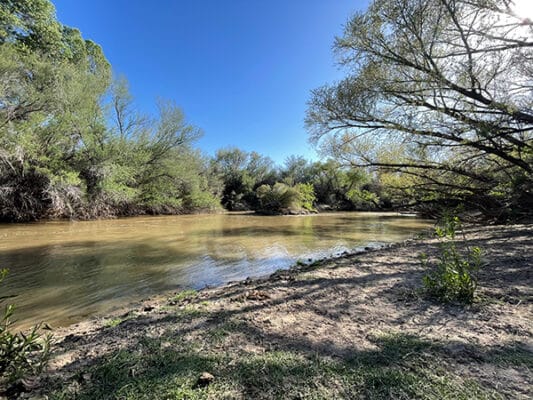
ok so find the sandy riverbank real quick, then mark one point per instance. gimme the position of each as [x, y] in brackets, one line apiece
[349, 327]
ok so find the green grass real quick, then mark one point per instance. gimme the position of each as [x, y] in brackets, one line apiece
[184, 295]
[114, 322]
[191, 311]
[400, 367]
[513, 356]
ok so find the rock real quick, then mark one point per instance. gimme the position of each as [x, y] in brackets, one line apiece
[204, 379]
[256, 295]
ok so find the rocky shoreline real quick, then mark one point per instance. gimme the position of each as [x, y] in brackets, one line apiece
[334, 311]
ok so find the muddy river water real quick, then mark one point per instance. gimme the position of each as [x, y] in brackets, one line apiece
[62, 272]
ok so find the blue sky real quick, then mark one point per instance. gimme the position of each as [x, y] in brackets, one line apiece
[241, 70]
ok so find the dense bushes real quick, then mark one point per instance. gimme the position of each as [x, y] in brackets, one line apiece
[284, 199]
[252, 182]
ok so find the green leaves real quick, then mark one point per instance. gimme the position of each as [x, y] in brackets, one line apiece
[436, 90]
[282, 198]
[59, 156]
[454, 277]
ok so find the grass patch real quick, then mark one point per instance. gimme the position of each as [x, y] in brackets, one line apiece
[401, 367]
[188, 294]
[114, 322]
[191, 311]
[511, 356]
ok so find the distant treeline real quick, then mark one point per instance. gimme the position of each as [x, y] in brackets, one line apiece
[422, 120]
[252, 182]
[73, 145]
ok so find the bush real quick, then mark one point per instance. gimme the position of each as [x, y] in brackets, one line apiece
[454, 277]
[306, 196]
[282, 198]
[21, 354]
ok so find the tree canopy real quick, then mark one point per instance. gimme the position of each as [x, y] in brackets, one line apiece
[439, 90]
[59, 154]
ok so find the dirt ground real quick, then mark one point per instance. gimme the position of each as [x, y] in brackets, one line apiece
[335, 308]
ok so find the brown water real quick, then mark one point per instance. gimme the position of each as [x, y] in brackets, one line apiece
[62, 272]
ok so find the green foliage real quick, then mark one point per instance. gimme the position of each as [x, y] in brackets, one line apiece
[282, 198]
[306, 196]
[454, 277]
[362, 197]
[184, 295]
[242, 173]
[414, 102]
[30, 24]
[59, 156]
[344, 187]
[327, 183]
[22, 354]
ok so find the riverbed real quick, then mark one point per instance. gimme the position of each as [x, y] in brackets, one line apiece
[63, 272]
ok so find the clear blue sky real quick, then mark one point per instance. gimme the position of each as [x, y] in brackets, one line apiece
[241, 70]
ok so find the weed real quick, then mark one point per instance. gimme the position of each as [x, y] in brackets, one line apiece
[454, 277]
[184, 295]
[21, 354]
[114, 322]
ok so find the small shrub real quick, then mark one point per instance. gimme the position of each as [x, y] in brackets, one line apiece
[454, 277]
[21, 354]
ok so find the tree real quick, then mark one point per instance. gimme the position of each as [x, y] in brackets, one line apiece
[60, 155]
[440, 90]
[281, 198]
[51, 81]
[241, 173]
[127, 120]
[30, 25]
[297, 170]
[342, 187]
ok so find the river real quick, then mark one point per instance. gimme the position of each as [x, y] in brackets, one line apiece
[62, 272]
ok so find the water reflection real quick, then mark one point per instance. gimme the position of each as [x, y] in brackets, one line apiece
[62, 272]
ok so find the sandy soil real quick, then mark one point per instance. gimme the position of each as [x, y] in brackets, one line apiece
[335, 307]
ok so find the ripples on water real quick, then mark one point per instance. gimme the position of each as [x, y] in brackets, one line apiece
[62, 272]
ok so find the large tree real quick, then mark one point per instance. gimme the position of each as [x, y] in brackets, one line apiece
[59, 156]
[241, 173]
[440, 90]
[51, 83]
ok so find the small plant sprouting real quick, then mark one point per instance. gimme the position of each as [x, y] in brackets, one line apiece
[187, 294]
[454, 277]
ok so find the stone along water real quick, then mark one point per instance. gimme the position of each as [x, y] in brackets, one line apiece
[62, 272]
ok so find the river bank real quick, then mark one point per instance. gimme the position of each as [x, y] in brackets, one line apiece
[349, 327]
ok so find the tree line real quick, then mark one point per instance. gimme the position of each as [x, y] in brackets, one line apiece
[71, 141]
[73, 144]
[435, 112]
